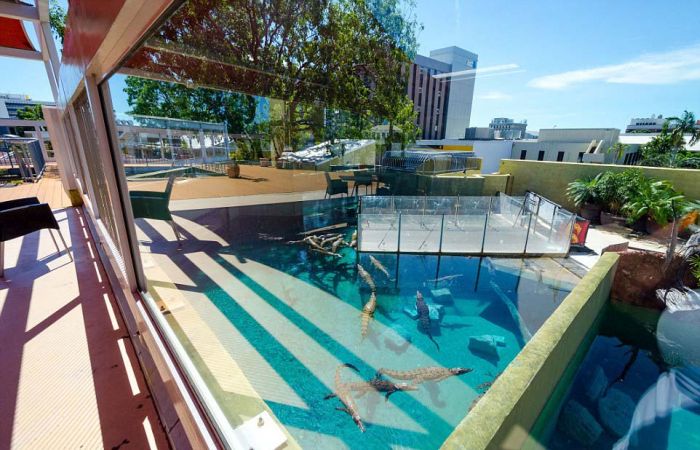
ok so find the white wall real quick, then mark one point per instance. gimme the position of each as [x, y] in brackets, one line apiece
[491, 153]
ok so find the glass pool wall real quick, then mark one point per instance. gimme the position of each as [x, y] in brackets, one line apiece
[464, 225]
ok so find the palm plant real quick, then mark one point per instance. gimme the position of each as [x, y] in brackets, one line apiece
[618, 150]
[584, 190]
[659, 201]
[680, 127]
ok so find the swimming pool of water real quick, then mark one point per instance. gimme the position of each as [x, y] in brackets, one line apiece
[638, 386]
[290, 318]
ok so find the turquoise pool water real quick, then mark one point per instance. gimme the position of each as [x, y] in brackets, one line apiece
[290, 317]
[638, 386]
[304, 321]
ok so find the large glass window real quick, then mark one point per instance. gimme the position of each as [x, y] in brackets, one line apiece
[263, 144]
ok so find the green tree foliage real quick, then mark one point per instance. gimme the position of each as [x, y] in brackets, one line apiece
[165, 99]
[33, 112]
[668, 148]
[348, 58]
[57, 20]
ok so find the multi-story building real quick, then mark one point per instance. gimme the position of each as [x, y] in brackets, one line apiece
[11, 103]
[572, 145]
[442, 89]
[653, 124]
[505, 128]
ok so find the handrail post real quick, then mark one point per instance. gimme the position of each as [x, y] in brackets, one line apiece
[398, 240]
[527, 236]
[442, 231]
[486, 222]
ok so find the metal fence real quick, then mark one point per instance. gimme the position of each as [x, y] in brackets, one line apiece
[501, 225]
[23, 156]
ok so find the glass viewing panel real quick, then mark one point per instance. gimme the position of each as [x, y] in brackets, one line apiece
[250, 132]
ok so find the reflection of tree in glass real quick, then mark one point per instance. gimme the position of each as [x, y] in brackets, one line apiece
[343, 54]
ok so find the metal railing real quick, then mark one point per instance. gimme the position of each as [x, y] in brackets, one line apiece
[24, 156]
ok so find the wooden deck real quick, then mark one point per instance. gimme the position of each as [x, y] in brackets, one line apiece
[47, 190]
[69, 376]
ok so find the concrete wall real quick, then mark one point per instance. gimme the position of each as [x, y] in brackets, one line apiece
[504, 417]
[550, 179]
[491, 153]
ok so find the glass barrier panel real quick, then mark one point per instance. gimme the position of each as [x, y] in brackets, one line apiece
[463, 233]
[560, 239]
[506, 227]
[378, 232]
[420, 233]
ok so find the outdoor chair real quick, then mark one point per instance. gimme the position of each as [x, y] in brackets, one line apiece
[334, 186]
[23, 216]
[154, 205]
[362, 179]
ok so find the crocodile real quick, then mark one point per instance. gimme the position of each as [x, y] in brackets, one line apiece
[367, 278]
[368, 313]
[336, 245]
[424, 324]
[379, 266]
[344, 393]
[423, 374]
[377, 384]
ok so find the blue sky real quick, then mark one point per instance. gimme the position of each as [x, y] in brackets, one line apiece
[579, 64]
[604, 61]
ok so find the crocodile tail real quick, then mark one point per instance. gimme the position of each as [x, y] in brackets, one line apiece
[340, 367]
[434, 341]
[365, 323]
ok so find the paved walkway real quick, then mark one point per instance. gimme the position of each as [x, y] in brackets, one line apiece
[69, 377]
[601, 236]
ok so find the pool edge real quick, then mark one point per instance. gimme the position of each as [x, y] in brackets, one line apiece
[505, 415]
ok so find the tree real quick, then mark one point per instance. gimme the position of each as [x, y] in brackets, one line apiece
[618, 150]
[33, 112]
[165, 99]
[57, 20]
[668, 148]
[314, 56]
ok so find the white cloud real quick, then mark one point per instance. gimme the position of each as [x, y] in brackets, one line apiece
[494, 95]
[653, 68]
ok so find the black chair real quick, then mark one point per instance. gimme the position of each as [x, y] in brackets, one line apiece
[23, 216]
[154, 205]
[334, 186]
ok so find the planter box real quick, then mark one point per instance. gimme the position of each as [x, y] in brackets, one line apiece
[591, 212]
[607, 218]
[265, 162]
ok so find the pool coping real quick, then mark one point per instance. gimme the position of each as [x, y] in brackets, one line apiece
[506, 414]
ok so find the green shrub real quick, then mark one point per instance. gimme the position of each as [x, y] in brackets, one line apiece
[585, 190]
[659, 201]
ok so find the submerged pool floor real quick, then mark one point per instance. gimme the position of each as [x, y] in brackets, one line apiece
[301, 312]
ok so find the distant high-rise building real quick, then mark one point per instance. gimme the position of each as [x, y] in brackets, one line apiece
[505, 128]
[442, 89]
[11, 103]
[652, 124]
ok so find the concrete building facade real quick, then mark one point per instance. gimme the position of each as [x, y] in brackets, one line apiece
[504, 128]
[11, 103]
[570, 145]
[442, 90]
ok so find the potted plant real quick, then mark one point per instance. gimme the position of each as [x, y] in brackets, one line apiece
[234, 170]
[585, 194]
